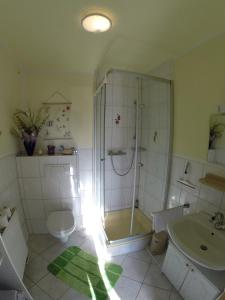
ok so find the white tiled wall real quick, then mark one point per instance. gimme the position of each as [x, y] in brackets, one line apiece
[155, 137]
[202, 197]
[154, 115]
[121, 93]
[9, 187]
[51, 183]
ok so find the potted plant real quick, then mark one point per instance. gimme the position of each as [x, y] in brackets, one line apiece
[27, 126]
[216, 131]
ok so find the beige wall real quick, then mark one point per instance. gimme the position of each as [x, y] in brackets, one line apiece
[78, 89]
[10, 98]
[199, 88]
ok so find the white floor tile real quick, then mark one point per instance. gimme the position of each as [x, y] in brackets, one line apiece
[141, 255]
[82, 233]
[134, 269]
[159, 259]
[126, 289]
[52, 286]
[52, 252]
[36, 269]
[28, 283]
[89, 246]
[72, 295]
[76, 240]
[38, 294]
[40, 242]
[175, 296]
[31, 255]
[117, 259]
[152, 293]
[155, 278]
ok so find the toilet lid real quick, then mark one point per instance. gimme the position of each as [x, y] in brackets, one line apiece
[60, 220]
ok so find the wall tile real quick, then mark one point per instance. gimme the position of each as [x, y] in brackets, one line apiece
[109, 116]
[51, 187]
[69, 203]
[108, 178]
[71, 161]
[56, 188]
[51, 205]
[119, 96]
[211, 195]
[85, 180]
[119, 138]
[29, 167]
[38, 226]
[32, 188]
[18, 167]
[203, 198]
[174, 196]
[177, 169]
[68, 187]
[109, 98]
[196, 172]
[85, 159]
[36, 209]
[115, 199]
[9, 186]
[205, 206]
[46, 165]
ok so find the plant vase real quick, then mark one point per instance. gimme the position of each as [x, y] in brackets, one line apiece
[29, 144]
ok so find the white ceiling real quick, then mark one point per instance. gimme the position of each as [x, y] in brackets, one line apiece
[46, 35]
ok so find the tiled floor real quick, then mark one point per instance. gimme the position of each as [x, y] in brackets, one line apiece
[141, 278]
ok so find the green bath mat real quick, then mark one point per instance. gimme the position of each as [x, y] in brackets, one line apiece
[85, 273]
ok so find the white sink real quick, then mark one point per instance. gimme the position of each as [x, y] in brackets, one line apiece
[197, 238]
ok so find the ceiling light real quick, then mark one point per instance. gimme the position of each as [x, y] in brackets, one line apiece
[96, 23]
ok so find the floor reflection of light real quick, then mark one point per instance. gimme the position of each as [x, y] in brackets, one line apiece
[72, 185]
[93, 297]
[92, 223]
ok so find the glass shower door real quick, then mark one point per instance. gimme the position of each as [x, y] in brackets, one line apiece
[100, 150]
[132, 152]
[154, 144]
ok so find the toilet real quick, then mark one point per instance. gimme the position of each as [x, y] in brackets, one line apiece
[61, 224]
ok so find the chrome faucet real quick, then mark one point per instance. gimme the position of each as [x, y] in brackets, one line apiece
[218, 220]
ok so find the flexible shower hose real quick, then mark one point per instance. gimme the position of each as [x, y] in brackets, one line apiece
[133, 154]
[129, 168]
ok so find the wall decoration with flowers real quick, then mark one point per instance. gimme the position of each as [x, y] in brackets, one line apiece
[57, 126]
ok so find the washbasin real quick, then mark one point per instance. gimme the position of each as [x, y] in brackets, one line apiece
[198, 239]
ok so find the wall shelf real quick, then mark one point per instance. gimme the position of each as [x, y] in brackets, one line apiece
[214, 181]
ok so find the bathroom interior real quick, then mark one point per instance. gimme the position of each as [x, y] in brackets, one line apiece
[112, 150]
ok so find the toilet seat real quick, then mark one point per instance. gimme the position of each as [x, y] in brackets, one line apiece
[61, 223]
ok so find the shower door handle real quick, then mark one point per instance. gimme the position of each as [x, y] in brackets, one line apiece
[102, 159]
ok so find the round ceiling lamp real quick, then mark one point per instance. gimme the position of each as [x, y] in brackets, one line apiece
[96, 23]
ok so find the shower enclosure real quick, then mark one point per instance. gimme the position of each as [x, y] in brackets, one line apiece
[132, 149]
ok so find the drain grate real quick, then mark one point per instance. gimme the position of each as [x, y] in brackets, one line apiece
[203, 247]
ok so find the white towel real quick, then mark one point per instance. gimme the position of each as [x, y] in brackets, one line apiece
[163, 217]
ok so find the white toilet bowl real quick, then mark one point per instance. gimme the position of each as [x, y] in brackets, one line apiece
[61, 224]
